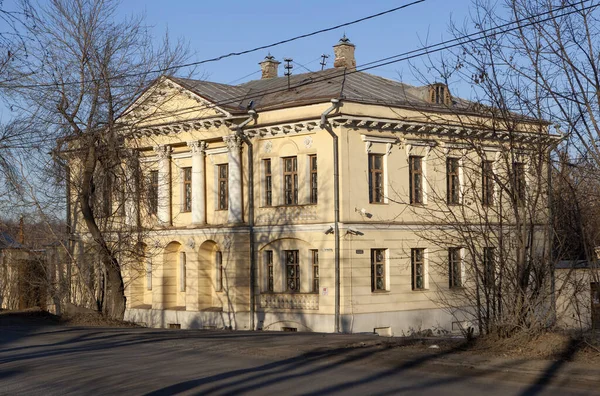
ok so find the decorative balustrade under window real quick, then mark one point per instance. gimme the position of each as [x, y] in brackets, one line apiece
[290, 301]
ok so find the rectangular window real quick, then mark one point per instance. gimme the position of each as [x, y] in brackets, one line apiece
[292, 270]
[489, 266]
[452, 181]
[455, 267]
[153, 192]
[378, 270]
[290, 181]
[219, 271]
[269, 266]
[487, 183]
[315, 270]
[223, 183]
[415, 165]
[268, 182]
[312, 160]
[519, 181]
[187, 189]
[376, 178]
[417, 257]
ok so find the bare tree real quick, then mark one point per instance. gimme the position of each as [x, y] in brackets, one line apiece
[89, 67]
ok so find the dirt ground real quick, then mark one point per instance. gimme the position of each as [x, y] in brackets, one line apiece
[556, 346]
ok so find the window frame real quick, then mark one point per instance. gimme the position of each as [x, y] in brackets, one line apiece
[520, 183]
[314, 256]
[186, 187]
[268, 172]
[487, 183]
[455, 266]
[269, 271]
[489, 266]
[377, 263]
[452, 181]
[374, 172]
[415, 173]
[414, 264]
[290, 191]
[313, 179]
[222, 187]
[295, 276]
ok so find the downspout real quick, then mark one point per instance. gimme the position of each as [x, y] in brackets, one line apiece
[251, 116]
[335, 103]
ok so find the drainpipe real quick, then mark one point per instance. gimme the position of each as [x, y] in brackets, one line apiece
[335, 103]
[251, 116]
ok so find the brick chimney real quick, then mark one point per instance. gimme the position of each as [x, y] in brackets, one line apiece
[21, 236]
[269, 67]
[344, 54]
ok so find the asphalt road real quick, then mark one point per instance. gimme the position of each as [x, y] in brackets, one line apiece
[57, 360]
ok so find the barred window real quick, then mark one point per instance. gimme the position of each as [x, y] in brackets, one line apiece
[416, 179]
[269, 268]
[223, 183]
[312, 159]
[292, 270]
[452, 181]
[455, 267]
[290, 180]
[418, 268]
[187, 189]
[378, 276]
[376, 178]
[315, 270]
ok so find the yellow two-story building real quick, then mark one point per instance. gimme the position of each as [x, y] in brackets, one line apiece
[306, 202]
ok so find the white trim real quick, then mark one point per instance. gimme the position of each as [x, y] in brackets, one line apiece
[153, 158]
[426, 269]
[379, 139]
[217, 150]
[186, 154]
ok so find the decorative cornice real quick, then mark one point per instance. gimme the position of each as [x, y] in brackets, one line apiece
[197, 146]
[183, 126]
[439, 131]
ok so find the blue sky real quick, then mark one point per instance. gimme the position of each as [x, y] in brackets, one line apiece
[217, 27]
[213, 28]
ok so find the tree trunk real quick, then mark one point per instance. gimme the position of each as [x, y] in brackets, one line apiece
[114, 300]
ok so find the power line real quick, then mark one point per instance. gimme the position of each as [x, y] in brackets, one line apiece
[448, 44]
[221, 57]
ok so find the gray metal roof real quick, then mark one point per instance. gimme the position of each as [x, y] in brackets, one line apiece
[315, 87]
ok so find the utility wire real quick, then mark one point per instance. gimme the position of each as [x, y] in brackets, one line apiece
[415, 53]
[218, 58]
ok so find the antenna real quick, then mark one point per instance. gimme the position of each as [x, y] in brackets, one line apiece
[288, 69]
[323, 60]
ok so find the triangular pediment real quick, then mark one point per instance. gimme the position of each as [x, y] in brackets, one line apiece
[167, 102]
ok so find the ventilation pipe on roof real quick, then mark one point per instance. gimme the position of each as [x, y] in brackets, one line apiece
[335, 104]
